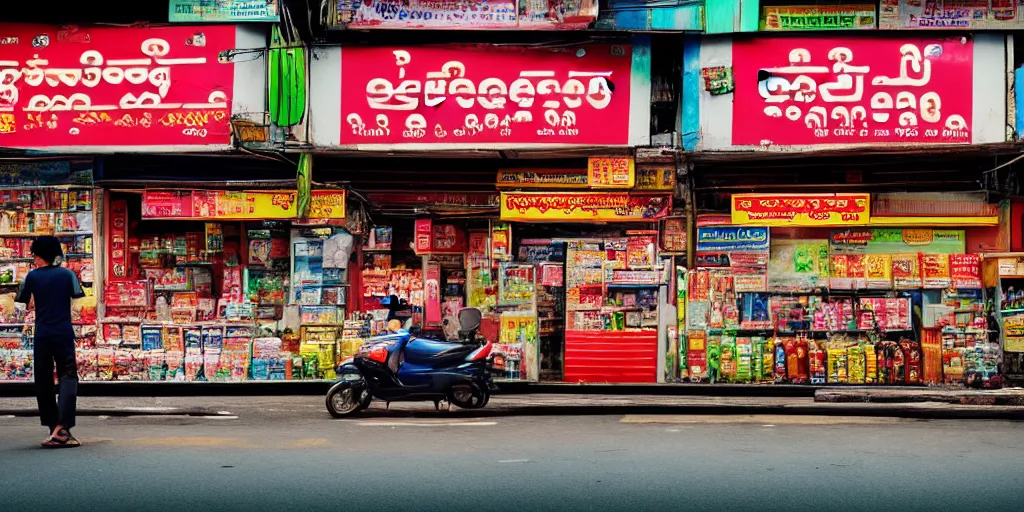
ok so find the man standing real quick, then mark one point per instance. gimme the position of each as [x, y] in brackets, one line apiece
[51, 288]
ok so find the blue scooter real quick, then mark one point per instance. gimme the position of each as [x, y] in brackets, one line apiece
[402, 367]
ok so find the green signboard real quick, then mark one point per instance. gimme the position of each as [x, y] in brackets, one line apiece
[222, 11]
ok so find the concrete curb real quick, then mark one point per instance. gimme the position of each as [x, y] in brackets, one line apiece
[1006, 398]
[313, 388]
[881, 411]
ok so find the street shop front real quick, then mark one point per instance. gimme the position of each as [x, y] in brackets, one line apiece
[568, 276]
[44, 197]
[836, 289]
[587, 267]
[209, 282]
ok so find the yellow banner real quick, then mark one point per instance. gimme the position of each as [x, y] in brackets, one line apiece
[584, 206]
[327, 204]
[801, 209]
[611, 172]
[280, 204]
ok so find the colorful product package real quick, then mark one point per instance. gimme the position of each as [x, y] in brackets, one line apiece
[193, 363]
[714, 358]
[816, 362]
[729, 358]
[193, 337]
[122, 364]
[912, 353]
[697, 355]
[87, 360]
[856, 364]
[105, 364]
[211, 362]
[870, 363]
[779, 345]
[744, 359]
[213, 338]
[174, 362]
[155, 362]
[152, 338]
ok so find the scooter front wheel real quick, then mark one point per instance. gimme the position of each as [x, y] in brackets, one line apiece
[469, 396]
[345, 400]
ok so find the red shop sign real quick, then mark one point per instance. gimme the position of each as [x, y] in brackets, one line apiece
[793, 91]
[114, 86]
[486, 94]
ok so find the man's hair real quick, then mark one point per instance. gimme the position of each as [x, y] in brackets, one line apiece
[48, 248]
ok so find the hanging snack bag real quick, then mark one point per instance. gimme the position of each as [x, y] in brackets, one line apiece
[105, 364]
[856, 364]
[816, 362]
[744, 359]
[899, 363]
[728, 358]
[802, 361]
[870, 362]
[714, 359]
[912, 353]
[780, 360]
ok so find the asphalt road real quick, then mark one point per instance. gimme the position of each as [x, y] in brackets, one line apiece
[287, 459]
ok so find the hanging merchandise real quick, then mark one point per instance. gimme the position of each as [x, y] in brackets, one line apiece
[516, 284]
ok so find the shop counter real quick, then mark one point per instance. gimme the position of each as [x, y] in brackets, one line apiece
[629, 356]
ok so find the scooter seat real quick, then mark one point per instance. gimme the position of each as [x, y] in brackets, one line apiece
[424, 351]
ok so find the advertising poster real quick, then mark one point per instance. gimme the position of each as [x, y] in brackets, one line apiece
[783, 18]
[115, 86]
[801, 209]
[951, 15]
[584, 206]
[483, 94]
[465, 14]
[901, 90]
[798, 266]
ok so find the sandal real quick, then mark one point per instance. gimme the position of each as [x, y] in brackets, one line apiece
[63, 439]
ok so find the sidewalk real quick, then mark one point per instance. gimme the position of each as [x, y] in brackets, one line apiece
[269, 407]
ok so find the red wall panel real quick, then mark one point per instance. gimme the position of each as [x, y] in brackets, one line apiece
[611, 356]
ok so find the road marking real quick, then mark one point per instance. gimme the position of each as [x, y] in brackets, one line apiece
[765, 420]
[216, 417]
[9, 417]
[428, 424]
[513, 461]
[103, 417]
[151, 409]
[193, 442]
[308, 443]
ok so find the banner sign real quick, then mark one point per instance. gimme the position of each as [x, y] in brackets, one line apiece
[817, 17]
[611, 172]
[800, 209]
[222, 11]
[486, 95]
[946, 15]
[219, 204]
[656, 178]
[965, 270]
[466, 14]
[853, 91]
[114, 86]
[327, 204]
[732, 238]
[434, 198]
[542, 179]
[584, 206]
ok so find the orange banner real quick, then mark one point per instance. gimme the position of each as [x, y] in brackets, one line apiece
[584, 206]
[611, 172]
[801, 209]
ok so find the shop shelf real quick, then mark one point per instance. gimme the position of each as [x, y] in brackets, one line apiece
[1008, 312]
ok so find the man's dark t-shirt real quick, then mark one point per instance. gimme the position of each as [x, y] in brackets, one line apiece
[53, 288]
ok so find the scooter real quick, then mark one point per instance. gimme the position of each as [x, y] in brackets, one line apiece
[401, 367]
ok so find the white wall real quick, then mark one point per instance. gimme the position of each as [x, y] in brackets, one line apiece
[988, 119]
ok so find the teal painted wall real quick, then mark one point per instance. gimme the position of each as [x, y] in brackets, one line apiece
[730, 16]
